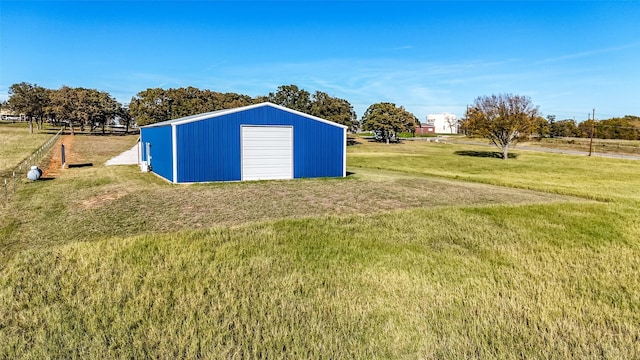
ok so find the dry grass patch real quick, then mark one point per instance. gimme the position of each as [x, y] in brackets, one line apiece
[101, 200]
[237, 203]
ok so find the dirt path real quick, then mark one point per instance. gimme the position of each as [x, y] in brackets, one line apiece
[54, 168]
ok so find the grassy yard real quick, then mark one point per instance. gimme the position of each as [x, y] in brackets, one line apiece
[427, 250]
[17, 143]
[589, 177]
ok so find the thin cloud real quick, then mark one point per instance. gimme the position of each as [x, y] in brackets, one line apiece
[421, 87]
[215, 65]
[589, 53]
[405, 47]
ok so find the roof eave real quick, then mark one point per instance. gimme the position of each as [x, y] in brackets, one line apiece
[214, 114]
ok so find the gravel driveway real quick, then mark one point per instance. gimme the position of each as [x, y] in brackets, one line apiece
[129, 157]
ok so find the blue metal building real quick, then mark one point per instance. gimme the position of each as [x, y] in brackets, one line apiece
[257, 142]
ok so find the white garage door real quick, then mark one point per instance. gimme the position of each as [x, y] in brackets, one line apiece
[267, 152]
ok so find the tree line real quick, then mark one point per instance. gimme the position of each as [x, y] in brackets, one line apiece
[621, 128]
[75, 107]
[89, 108]
[155, 105]
[506, 119]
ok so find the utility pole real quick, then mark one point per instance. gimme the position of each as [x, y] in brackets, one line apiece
[593, 129]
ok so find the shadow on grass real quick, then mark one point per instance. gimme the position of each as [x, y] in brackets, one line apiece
[373, 140]
[485, 154]
[352, 141]
[70, 166]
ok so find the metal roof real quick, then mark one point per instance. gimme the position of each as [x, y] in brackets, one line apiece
[214, 114]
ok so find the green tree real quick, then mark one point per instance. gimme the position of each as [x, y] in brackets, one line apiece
[181, 102]
[292, 97]
[260, 99]
[84, 107]
[633, 120]
[617, 128]
[503, 119]
[587, 129]
[387, 120]
[92, 108]
[104, 109]
[49, 110]
[64, 104]
[28, 99]
[564, 128]
[232, 100]
[334, 109]
[124, 117]
[155, 105]
[543, 126]
[150, 106]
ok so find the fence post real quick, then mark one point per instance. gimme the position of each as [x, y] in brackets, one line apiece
[63, 156]
[6, 192]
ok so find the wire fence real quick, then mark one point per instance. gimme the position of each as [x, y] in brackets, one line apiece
[10, 180]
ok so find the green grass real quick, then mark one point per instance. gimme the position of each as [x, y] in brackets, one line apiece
[18, 143]
[405, 135]
[589, 177]
[416, 255]
[100, 202]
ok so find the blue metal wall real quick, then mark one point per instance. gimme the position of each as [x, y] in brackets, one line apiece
[209, 150]
[161, 150]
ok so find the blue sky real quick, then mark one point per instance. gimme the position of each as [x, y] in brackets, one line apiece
[429, 57]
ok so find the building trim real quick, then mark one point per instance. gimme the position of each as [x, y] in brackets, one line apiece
[174, 152]
[344, 154]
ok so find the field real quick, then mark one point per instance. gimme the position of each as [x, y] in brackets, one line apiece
[17, 144]
[606, 146]
[426, 250]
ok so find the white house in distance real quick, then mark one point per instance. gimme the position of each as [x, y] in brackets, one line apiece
[444, 123]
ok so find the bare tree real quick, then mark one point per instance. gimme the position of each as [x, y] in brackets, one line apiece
[452, 122]
[503, 119]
